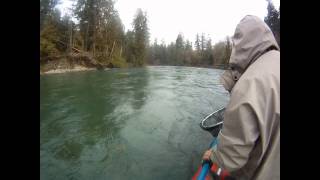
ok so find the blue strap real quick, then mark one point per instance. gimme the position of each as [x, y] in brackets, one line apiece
[214, 142]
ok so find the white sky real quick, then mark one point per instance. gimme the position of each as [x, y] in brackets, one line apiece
[214, 18]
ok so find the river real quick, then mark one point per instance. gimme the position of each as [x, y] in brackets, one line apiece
[138, 123]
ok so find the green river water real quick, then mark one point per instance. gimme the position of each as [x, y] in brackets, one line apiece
[139, 123]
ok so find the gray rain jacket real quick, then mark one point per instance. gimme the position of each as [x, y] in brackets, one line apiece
[249, 142]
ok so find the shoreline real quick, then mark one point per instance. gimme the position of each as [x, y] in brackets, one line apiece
[64, 70]
[82, 68]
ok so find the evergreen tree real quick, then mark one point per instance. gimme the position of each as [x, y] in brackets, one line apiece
[141, 37]
[197, 44]
[273, 20]
[46, 8]
[179, 50]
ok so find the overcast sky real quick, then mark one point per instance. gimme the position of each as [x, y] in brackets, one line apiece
[214, 18]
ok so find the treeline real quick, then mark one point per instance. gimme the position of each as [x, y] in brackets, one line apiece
[98, 33]
[201, 52]
[185, 53]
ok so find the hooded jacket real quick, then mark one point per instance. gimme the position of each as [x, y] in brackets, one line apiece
[249, 142]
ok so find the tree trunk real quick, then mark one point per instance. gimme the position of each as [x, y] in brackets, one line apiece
[86, 38]
[70, 39]
[112, 49]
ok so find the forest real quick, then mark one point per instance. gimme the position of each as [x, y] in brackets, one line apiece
[93, 35]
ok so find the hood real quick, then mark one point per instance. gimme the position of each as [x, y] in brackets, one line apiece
[251, 39]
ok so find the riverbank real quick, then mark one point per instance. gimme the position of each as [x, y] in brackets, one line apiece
[64, 70]
[69, 63]
[208, 67]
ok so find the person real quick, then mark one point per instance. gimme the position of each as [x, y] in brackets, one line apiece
[249, 142]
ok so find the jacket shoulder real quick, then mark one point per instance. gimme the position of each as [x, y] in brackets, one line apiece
[265, 70]
[267, 64]
[260, 80]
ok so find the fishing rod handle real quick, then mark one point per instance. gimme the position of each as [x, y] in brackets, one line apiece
[206, 165]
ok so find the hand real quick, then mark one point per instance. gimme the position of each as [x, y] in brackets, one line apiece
[206, 155]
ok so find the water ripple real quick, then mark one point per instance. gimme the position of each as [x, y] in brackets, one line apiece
[116, 124]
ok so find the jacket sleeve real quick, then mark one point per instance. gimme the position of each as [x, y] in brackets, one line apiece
[240, 130]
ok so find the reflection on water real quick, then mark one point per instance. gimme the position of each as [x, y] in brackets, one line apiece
[140, 123]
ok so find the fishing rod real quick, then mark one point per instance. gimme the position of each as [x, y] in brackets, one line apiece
[203, 169]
